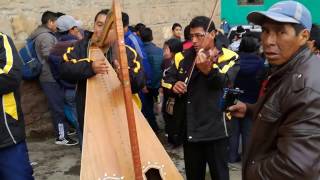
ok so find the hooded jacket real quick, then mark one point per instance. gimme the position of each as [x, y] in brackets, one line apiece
[44, 42]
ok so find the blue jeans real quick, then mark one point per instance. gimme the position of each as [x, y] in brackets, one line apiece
[147, 100]
[14, 163]
[55, 95]
[71, 111]
[240, 126]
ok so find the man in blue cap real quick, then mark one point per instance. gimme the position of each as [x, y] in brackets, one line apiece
[285, 140]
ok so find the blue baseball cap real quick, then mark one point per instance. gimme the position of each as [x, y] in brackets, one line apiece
[284, 12]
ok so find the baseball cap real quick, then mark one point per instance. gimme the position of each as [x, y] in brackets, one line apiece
[285, 12]
[67, 22]
[240, 30]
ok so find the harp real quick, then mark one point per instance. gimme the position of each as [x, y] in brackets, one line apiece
[118, 142]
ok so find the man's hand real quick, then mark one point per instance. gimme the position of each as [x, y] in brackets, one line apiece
[179, 87]
[99, 64]
[203, 63]
[100, 67]
[145, 90]
[238, 110]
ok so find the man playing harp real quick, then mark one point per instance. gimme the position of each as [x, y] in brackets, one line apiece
[78, 67]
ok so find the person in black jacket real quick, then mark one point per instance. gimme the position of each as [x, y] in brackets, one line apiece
[248, 80]
[197, 99]
[14, 159]
[78, 67]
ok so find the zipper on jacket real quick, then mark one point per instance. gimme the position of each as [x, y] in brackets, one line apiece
[6, 122]
[225, 124]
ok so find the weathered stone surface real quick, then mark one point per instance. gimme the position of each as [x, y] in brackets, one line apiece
[34, 104]
[18, 18]
[157, 14]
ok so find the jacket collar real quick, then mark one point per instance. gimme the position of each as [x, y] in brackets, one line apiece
[300, 55]
[150, 43]
[128, 33]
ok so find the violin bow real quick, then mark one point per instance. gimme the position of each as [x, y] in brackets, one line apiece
[187, 80]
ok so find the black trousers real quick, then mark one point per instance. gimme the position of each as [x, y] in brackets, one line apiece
[198, 154]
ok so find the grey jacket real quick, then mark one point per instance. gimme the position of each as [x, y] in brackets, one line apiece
[44, 41]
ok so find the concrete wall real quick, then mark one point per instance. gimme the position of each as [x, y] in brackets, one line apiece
[19, 18]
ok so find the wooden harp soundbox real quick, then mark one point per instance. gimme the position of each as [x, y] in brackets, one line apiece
[118, 142]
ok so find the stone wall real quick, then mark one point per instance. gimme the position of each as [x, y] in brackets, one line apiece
[18, 18]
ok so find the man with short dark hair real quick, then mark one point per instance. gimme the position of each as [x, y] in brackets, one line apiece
[203, 128]
[285, 140]
[314, 40]
[45, 39]
[82, 68]
[155, 57]
[234, 46]
[176, 31]
[78, 67]
[138, 28]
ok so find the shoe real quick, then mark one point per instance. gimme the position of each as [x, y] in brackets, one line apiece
[234, 167]
[71, 132]
[66, 141]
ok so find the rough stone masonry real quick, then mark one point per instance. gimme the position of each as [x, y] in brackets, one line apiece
[18, 18]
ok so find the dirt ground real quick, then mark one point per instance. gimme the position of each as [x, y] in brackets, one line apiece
[58, 162]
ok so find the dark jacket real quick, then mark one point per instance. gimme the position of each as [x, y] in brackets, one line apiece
[249, 76]
[286, 132]
[56, 58]
[77, 67]
[12, 128]
[135, 42]
[203, 116]
[155, 58]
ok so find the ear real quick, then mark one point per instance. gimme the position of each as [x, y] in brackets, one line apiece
[304, 36]
[213, 33]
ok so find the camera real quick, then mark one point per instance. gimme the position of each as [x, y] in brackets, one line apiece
[230, 97]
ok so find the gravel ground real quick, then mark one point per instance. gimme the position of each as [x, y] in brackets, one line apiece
[57, 162]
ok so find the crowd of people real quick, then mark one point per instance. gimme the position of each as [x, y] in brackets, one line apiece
[274, 116]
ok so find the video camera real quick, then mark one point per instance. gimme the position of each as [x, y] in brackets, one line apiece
[230, 97]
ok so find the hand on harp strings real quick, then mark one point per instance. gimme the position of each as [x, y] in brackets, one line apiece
[99, 64]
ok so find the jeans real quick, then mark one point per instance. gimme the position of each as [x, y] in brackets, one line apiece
[70, 111]
[240, 126]
[14, 163]
[147, 100]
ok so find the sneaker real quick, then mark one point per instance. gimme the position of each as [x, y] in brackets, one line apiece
[71, 132]
[66, 141]
[234, 167]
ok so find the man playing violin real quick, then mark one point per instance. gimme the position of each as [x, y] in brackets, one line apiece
[196, 80]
